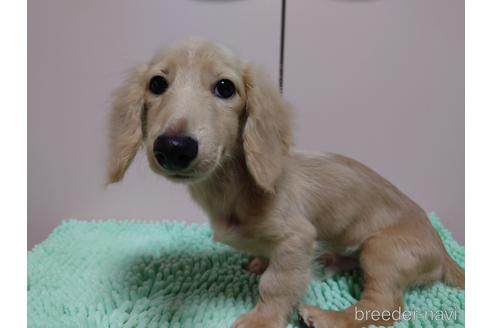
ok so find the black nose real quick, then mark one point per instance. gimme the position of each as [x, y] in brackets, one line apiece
[175, 153]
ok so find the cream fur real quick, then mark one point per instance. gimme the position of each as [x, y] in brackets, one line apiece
[266, 199]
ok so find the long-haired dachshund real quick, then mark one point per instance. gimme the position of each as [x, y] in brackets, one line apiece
[211, 120]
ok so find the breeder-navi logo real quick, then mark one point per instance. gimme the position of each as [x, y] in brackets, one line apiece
[400, 314]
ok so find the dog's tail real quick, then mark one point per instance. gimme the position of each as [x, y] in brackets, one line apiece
[453, 274]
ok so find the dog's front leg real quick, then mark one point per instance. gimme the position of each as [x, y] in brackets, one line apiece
[282, 284]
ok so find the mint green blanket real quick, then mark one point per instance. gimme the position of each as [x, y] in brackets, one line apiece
[168, 274]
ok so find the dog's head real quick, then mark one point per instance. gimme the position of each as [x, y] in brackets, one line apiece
[194, 106]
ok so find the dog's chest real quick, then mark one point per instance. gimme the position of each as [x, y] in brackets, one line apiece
[226, 227]
[234, 221]
[232, 231]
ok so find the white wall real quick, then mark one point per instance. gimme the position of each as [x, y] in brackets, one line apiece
[382, 81]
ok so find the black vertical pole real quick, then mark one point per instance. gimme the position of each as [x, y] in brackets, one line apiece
[282, 41]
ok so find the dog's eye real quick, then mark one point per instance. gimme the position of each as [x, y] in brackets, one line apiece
[224, 89]
[157, 85]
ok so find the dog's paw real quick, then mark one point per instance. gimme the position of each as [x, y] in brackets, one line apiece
[257, 265]
[309, 316]
[314, 317]
[255, 319]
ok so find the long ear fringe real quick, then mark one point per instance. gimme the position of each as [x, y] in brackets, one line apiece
[267, 131]
[125, 131]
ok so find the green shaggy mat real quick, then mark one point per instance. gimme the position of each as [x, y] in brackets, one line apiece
[169, 274]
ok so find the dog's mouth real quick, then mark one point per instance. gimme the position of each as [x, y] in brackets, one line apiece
[186, 177]
[197, 172]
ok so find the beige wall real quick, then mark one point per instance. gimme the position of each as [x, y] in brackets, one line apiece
[381, 81]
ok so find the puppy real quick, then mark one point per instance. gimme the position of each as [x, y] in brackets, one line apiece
[213, 121]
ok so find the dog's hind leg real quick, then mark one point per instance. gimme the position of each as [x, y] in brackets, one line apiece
[390, 260]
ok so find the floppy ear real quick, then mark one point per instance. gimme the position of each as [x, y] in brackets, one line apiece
[125, 128]
[267, 131]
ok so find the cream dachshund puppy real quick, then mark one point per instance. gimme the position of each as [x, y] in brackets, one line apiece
[212, 120]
